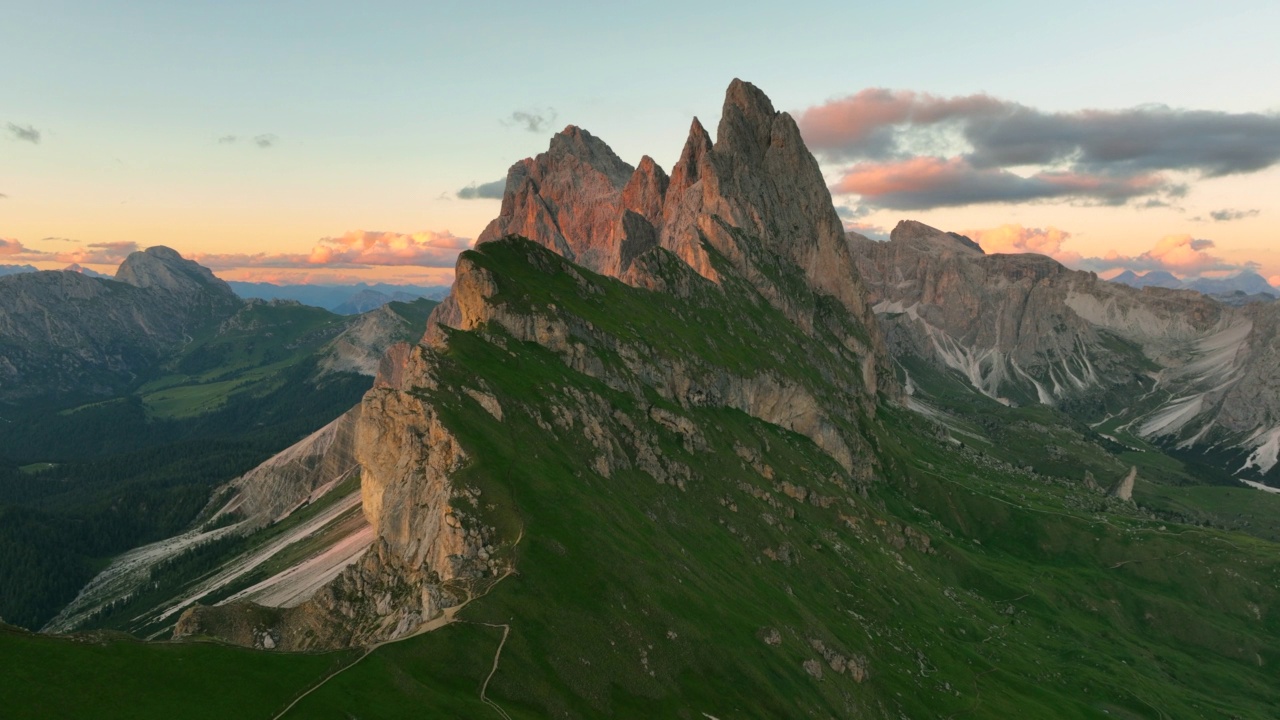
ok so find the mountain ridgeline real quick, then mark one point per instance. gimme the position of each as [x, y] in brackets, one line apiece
[676, 445]
[68, 334]
[1167, 366]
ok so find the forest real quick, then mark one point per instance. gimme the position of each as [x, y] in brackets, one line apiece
[77, 488]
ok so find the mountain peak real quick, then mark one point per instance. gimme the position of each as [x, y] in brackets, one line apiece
[924, 237]
[575, 142]
[164, 268]
[754, 197]
[746, 120]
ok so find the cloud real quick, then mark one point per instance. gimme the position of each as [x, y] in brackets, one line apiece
[109, 253]
[852, 213]
[358, 249]
[874, 232]
[263, 141]
[929, 182]
[487, 191]
[398, 276]
[1180, 254]
[25, 133]
[1227, 214]
[1017, 153]
[1019, 239]
[3, 196]
[534, 121]
[1183, 255]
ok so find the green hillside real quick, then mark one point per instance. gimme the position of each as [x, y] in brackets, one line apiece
[961, 568]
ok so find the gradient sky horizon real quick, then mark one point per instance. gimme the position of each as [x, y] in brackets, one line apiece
[323, 141]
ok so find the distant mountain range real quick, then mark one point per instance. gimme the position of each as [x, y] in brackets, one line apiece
[342, 299]
[1248, 283]
[15, 269]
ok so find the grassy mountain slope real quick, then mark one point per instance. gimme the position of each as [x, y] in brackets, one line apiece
[959, 569]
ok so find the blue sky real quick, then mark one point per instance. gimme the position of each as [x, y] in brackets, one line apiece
[372, 116]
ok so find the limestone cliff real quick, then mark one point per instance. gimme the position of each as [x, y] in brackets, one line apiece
[1024, 329]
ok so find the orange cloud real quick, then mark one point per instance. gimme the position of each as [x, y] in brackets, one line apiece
[1019, 239]
[110, 253]
[355, 249]
[1183, 253]
[400, 275]
[433, 249]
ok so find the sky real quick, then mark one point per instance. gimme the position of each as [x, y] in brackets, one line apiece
[334, 141]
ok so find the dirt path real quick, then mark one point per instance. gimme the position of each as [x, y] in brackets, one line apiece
[447, 616]
[506, 630]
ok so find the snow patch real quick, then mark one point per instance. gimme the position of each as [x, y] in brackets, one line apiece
[1267, 452]
[1260, 486]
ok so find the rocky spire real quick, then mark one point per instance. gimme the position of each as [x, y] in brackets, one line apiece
[754, 197]
[568, 199]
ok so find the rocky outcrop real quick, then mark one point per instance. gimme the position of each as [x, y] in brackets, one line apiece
[1123, 489]
[299, 474]
[753, 203]
[359, 348]
[163, 268]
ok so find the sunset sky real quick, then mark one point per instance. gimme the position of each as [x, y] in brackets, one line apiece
[325, 141]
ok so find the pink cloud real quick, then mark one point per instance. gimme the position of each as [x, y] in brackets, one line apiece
[861, 121]
[109, 253]
[1182, 255]
[400, 275]
[927, 182]
[1019, 239]
[355, 249]
[1274, 280]
[986, 145]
